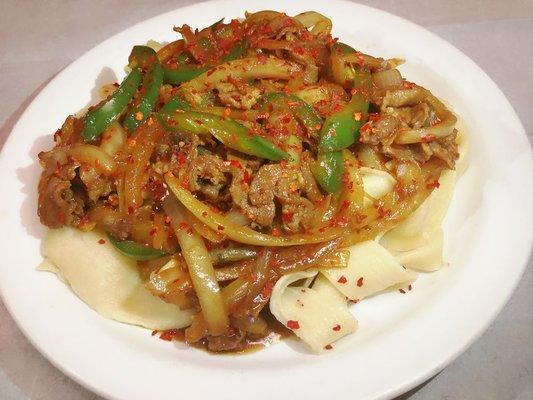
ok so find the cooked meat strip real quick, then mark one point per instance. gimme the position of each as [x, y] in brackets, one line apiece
[58, 203]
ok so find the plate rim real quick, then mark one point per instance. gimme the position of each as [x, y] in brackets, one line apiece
[391, 393]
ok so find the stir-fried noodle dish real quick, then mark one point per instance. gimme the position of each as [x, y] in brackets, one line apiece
[248, 178]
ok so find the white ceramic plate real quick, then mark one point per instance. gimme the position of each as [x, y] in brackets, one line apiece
[403, 339]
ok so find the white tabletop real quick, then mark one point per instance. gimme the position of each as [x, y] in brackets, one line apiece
[39, 38]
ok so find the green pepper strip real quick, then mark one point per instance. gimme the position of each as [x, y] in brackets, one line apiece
[229, 132]
[135, 250]
[152, 82]
[175, 103]
[341, 129]
[97, 119]
[328, 171]
[184, 73]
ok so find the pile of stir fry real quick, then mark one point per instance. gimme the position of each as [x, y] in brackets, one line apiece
[236, 152]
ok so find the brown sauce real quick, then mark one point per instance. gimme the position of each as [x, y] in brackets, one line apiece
[275, 333]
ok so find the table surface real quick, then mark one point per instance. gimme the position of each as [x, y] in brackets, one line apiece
[39, 38]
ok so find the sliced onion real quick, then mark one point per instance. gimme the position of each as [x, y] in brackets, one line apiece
[242, 69]
[237, 217]
[267, 15]
[444, 127]
[113, 138]
[171, 284]
[233, 254]
[319, 24]
[200, 268]
[387, 79]
[440, 130]
[93, 156]
[205, 231]
[232, 272]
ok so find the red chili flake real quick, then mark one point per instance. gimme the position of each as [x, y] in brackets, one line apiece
[220, 228]
[410, 287]
[101, 241]
[428, 138]
[253, 278]
[183, 225]
[408, 85]
[382, 212]
[346, 203]
[211, 71]
[360, 282]
[168, 335]
[131, 210]
[433, 185]
[342, 279]
[235, 164]
[153, 231]
[298, 50]
[167, 220]
[373, 116]
[285, 119]
[337, 328]
[182, 158]
[402, 291]
[276, 232]
[287, 216]
[291, 324]
[328, 347]
[205, 213]
[267, 290]
[365, 128]
[246, 177]
[318, 127]
[154, 333]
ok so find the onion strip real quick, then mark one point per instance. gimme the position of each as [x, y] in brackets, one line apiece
[93, 156]
[319, 24]
[242, 69]
[200, 268]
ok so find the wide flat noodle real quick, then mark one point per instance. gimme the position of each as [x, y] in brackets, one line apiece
[318, 315]
[376, 184]
[427, 257]
[107, 281]
[371, 269]
[418, 229]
